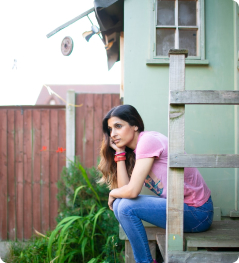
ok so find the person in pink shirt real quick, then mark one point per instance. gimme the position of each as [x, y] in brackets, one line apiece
[131, 158]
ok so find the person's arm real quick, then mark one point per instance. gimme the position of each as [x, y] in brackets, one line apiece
[122, 175]
[134, 186]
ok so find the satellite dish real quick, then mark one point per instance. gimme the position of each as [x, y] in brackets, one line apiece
[66, 46]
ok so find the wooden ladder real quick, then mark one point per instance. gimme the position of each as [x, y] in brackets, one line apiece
[177, 159]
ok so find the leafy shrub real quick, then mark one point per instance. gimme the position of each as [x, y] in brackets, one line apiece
[33, 251]
[87, 230]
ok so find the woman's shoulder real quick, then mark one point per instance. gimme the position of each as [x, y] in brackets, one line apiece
[151, 142]
[152, 135]
[152, 139]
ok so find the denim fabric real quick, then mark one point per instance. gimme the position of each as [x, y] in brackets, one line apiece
[152, 209]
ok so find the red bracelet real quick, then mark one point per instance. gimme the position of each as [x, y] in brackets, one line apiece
[119, 158]
[120, 154]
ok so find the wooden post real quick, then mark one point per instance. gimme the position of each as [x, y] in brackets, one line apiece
[175, 185]
[70, 127]
[129, 256]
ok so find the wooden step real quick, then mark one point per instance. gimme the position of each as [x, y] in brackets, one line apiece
[222, 234]
[202, 256]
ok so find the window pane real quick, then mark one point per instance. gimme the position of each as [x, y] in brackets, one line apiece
[188, 40]
[164, 41]
[187, 13]
[165, 12]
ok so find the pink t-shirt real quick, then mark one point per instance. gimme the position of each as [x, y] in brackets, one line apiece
[154, 144]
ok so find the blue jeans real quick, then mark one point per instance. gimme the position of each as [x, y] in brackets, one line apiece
[152, 209]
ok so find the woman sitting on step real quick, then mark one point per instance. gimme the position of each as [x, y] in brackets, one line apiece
[131, 158]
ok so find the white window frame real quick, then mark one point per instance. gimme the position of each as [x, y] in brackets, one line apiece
[200, 58]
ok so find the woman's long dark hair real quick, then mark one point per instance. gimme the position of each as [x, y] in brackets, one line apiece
[107, 165]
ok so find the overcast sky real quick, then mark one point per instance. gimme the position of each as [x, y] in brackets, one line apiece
[24, 25]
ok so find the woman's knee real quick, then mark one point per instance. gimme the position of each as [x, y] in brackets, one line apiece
[115, 207]
[123, 206]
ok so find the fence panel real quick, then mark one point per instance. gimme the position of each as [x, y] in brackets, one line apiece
[30, 166]
[89, 124]
[3, 174]
[32, 155]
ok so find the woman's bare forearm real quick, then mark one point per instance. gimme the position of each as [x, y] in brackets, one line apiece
[122, 175]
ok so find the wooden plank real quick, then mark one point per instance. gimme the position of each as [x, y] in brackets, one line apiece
[37, 147]
[70, 126]
[202, 256]
[193, 243]
[11, 175]
[204, 160]
[150, 231]
[115, 100]
[175, 181]
[27, 158]
[45, 134]
[89, 126]
[107, 103]
[223, 97]
[54, 166]
[19, 172]
[80, 127]
[129, 256]
[31, 107]
[3, 174]
[98, 134]
[61, 139]
[70, 22]
[220, 234]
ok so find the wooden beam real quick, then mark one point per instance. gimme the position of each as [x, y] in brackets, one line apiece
[70, 127]
[129, 256]
[175, 176]
[151, 233]
[70, 22]
[204, 160]
[204, 97]
[201, 256]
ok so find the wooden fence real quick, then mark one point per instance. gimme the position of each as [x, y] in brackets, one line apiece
[88, 123]
[32, 155]
[30, 165]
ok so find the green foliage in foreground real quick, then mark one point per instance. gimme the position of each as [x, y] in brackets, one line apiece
[87, 230]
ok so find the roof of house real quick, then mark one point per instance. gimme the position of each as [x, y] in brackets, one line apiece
[45, 98]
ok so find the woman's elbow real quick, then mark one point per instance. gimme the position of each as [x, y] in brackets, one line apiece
[133, 193]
